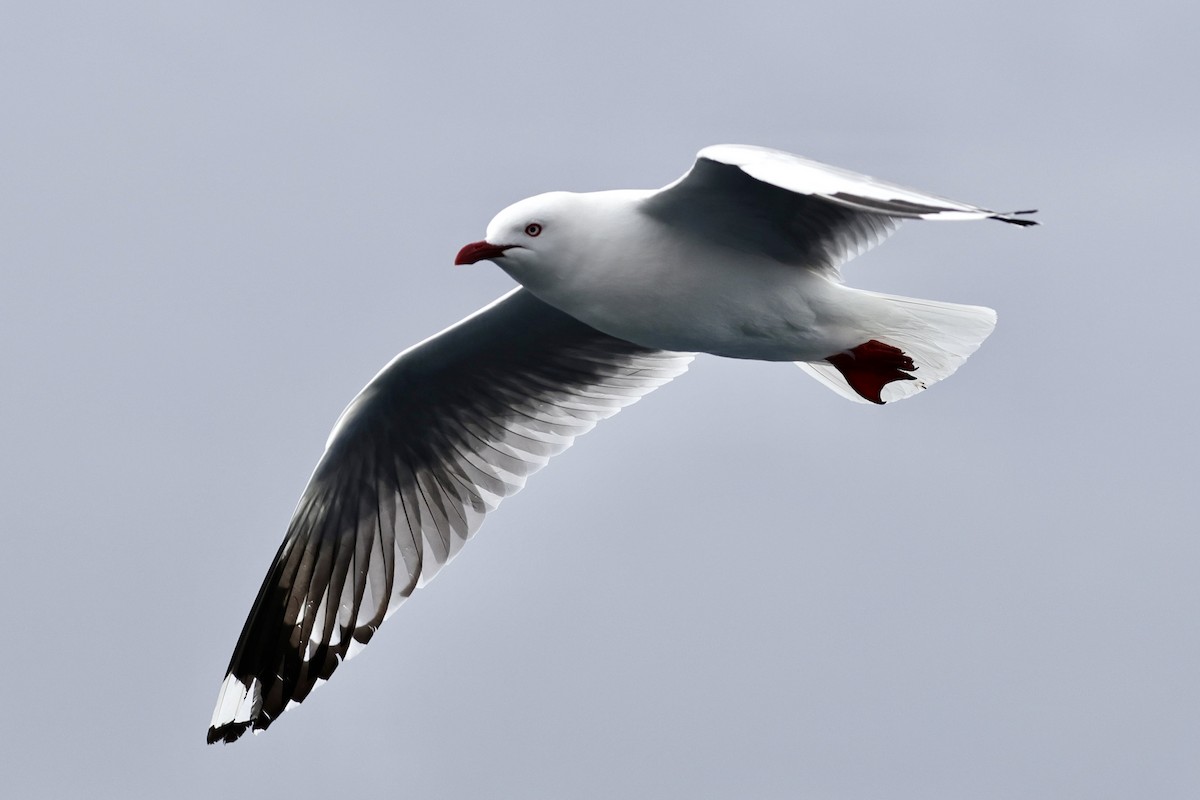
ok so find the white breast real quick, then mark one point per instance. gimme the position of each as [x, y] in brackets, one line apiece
[643, 281]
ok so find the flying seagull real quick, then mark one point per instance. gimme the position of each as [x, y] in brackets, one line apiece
[740, 257]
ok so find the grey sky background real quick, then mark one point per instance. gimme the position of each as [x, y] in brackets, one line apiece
[218, 220]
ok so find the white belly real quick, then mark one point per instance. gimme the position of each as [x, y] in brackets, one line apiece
[739, 306]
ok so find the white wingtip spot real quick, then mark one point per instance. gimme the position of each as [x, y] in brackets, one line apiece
[236, 702]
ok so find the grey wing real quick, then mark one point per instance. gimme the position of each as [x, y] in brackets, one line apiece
[445, 432]
[796, 210]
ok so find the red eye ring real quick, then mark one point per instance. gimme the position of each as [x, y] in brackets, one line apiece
[533, 229]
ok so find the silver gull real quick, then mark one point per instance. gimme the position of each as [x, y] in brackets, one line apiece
[740, 257]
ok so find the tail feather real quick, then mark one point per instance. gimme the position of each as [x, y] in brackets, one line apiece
[937, 336]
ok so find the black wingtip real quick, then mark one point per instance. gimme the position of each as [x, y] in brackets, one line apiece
[1010, 217]
[227, 733]
[232, 731]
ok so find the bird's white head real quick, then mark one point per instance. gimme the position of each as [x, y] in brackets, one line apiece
[548, 238]
[523, 230]
[554, 241]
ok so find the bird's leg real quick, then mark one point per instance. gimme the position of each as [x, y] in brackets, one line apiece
[871, 366]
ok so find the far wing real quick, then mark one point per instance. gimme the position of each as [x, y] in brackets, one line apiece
[444, 433]
[797, 210]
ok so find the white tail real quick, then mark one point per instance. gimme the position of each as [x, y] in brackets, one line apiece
[937, 336]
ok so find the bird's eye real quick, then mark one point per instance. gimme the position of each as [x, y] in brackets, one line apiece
[533, 229]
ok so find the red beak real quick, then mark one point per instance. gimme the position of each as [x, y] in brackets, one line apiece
[480, 251]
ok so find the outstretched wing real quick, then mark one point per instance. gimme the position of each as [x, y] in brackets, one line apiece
[796, 210]
[445, 432]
